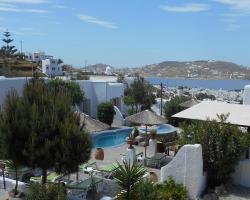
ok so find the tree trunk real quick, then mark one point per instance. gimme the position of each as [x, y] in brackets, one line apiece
[16, 186]
[44, 176]
[77, 176]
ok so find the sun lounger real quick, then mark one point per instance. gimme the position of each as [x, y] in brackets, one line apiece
[139, 157]
[105, 171]
[156, 160]
[79, 190]
[84, 166]
[52, 177]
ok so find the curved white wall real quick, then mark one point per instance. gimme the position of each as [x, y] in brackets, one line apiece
[118, 118]
[187, 168]
[246, 95]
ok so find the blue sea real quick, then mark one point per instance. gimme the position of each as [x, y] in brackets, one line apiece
[196, 83]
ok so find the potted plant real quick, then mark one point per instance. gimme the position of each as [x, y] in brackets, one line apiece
[136, 132]
[153, 134]
[130, 141]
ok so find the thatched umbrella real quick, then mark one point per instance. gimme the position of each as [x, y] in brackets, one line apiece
[146, 117]
[92, 125]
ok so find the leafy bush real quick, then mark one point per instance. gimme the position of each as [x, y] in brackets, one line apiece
[38, 191]
[139, 95]
[222, 146]
[70, 87]
[106, 112]
[172, 107]
[167, 190]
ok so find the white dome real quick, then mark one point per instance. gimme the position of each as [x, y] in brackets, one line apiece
[108, 70]
[246, 95]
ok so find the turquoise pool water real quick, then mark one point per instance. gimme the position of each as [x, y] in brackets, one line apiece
[111, 138]
[161, 129]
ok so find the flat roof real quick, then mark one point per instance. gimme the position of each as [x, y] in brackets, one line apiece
[238, 114]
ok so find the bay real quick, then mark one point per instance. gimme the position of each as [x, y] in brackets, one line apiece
[198, 83]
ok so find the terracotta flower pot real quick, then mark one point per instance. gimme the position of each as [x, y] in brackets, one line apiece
[153, 177]
[130, 142]
[99, 154]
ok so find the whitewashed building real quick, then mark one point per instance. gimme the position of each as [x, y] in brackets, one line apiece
[52, 67]
[37, 57]
[95, 93]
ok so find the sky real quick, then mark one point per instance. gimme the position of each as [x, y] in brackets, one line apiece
[130, 33]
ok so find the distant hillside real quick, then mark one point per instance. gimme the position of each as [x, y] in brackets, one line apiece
[195, 69]
[12, 67]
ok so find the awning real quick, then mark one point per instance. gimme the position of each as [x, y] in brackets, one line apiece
[238, 114]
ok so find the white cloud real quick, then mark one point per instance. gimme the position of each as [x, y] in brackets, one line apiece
[192, 7]
[241, 5]
[24, 1]
[7, 5]
[21, 10]
[94, 20]
[232, 27]
[59, 6]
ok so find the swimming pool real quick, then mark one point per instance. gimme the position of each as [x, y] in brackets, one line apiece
[162, 129]
[111, 138]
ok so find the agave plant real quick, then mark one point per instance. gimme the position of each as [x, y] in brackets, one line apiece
[128, 176]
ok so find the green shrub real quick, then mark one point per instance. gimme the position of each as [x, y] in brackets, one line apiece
[172, 107]
[131, 111]
[38, 191]
[167, 190]
[106, 112]
[223, 144]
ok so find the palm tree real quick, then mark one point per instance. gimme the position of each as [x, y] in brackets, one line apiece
[128, 176]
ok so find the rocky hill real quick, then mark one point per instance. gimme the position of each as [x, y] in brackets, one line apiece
[195, 69]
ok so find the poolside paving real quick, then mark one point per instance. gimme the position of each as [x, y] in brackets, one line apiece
[113, 154]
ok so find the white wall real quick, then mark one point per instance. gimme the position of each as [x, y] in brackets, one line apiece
[187, 168]
[10, 184]
[241, 176]
[7, 84]
[246, 95]
[118, 118]
[99, 92]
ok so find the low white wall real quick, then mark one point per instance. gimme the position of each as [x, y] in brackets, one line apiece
[118, 118]
[10, 184]
[241, 176]
[152, 147]
[187, 168]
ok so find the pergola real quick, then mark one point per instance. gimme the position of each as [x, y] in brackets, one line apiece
[238, 114]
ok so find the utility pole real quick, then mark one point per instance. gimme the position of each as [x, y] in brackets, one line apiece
[21, 42]
[161, 98]
[86, 61]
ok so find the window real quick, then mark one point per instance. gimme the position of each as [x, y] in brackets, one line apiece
[53, 68]
[53, 61]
